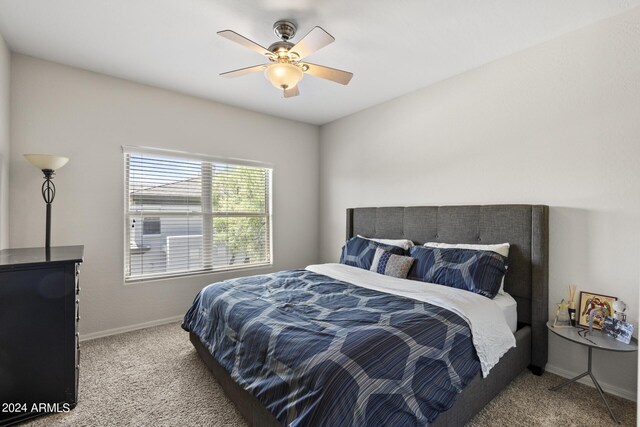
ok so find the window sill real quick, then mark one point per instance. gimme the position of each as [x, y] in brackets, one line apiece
[131, 281]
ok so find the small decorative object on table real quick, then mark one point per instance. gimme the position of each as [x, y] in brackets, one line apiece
[618, 329]
[572, 305]
[594, 308]
[619, 307]
[562, 316]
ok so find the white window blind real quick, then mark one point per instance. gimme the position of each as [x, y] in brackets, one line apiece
[187, 215]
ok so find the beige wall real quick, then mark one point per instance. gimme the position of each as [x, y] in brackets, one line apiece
[88, 117]
[5, 57]
[557, 124]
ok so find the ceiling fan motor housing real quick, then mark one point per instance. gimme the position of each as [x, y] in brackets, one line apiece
[281, 48]
[285, 30]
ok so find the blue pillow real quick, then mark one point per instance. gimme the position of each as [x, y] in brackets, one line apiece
[359, 252]
[476, 271]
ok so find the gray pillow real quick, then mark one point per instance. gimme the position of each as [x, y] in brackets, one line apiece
[389, 264]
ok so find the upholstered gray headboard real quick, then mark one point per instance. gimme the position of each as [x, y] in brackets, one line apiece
[525, 227]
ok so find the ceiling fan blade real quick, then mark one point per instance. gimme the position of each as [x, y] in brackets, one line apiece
[294, 91]
[315, 40]
[235, 37]
[333, 74]
[243, 71]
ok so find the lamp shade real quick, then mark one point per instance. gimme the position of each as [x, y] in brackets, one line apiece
[283, 75]
[47, 161]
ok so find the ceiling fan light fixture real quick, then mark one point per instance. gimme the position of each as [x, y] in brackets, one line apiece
[283, 75]
[286, 70]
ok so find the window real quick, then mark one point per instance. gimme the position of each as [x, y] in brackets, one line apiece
[189, 214]
[151, 225]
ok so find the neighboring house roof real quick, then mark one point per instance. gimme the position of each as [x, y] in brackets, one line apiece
[180, 193]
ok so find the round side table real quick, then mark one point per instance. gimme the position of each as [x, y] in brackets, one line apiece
[598, 340]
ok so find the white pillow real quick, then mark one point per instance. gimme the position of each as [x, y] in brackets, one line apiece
[401, 243]
[500, 248]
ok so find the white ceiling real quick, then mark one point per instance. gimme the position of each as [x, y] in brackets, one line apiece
[392, 47]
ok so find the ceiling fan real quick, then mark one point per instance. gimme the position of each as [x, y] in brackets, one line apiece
[286, 67]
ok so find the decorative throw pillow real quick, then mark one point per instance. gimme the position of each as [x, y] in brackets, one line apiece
[384, 262]
[476, 271]
[359, 252]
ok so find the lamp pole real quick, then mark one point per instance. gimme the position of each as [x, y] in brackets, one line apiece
[48, 194]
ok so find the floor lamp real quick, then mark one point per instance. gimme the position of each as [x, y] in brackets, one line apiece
[48, 164]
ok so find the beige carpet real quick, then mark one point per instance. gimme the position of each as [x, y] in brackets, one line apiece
[154, 377]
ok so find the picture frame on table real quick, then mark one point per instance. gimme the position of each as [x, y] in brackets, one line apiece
[618, 329]
[590, 301]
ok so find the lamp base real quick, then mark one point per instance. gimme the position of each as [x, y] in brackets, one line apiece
[47, 238]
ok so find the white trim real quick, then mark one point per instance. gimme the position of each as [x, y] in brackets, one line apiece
[130, 328]
[130, 149]
[612, 389]
[228, 269]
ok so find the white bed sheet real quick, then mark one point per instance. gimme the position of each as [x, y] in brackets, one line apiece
[509, 308]
[490, 332]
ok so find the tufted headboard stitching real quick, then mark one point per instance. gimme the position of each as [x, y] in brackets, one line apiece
[525, 227]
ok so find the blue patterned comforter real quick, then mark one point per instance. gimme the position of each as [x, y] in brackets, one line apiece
[320, 352]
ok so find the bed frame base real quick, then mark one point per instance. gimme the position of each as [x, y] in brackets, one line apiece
[473, 398]
[536, 370]
[251, 409]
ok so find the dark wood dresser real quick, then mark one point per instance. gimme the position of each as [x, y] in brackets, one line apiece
[39, 349]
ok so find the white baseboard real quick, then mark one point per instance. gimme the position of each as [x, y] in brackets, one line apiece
[612, 389]
[122, 330]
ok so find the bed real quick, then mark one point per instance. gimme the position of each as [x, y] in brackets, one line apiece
[525, 227]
